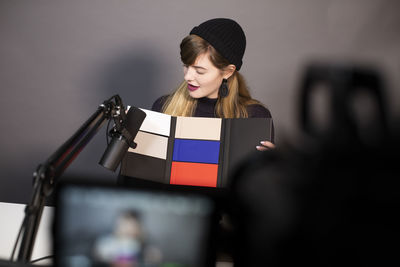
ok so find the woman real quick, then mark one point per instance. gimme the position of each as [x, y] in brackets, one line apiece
[212, 87]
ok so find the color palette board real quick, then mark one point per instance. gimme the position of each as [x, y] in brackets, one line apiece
[192, 150]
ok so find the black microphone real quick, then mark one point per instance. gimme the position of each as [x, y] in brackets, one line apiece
[122, 138]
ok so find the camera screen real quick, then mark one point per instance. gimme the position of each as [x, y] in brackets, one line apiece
[106, 226]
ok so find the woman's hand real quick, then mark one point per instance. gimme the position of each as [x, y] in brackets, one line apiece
[265, 145]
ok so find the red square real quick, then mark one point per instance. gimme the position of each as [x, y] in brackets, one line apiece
[197, 174]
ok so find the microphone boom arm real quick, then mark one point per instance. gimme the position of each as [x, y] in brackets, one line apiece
[46, 174]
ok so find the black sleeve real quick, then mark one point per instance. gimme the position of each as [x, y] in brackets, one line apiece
[158, 104]
[259, 111]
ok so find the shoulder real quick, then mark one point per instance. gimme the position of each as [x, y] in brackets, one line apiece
[258, 111]
[159, 103]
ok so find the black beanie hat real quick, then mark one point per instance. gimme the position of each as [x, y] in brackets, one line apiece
[226, 36]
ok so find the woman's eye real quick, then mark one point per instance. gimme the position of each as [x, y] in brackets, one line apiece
[198, 71]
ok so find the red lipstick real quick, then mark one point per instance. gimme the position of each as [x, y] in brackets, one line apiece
[192, 87]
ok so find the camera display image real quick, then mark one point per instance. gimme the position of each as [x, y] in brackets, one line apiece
[114, 227]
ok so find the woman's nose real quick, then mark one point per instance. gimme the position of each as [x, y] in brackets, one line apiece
[189, 74]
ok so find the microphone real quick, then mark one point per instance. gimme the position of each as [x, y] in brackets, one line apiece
[122, 135]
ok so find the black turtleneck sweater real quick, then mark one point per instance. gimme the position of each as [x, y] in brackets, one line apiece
[206, 107]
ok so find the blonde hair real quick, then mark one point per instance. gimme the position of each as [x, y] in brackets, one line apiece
[180, 103]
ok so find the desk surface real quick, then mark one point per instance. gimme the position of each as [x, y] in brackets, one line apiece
[11, 216]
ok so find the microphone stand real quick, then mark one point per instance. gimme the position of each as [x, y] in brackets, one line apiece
[46, 174]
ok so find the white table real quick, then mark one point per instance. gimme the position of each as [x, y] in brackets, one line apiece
[11, 216]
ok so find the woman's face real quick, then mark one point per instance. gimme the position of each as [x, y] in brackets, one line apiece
[203, 78]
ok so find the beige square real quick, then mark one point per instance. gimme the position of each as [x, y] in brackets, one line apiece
[150, 145]
[198, 128]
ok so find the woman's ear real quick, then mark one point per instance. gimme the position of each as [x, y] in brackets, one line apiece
[229, 70]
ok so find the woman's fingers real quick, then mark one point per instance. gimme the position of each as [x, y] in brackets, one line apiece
[265, 145]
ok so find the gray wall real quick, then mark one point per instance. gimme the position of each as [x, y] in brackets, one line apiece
[61, 59]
